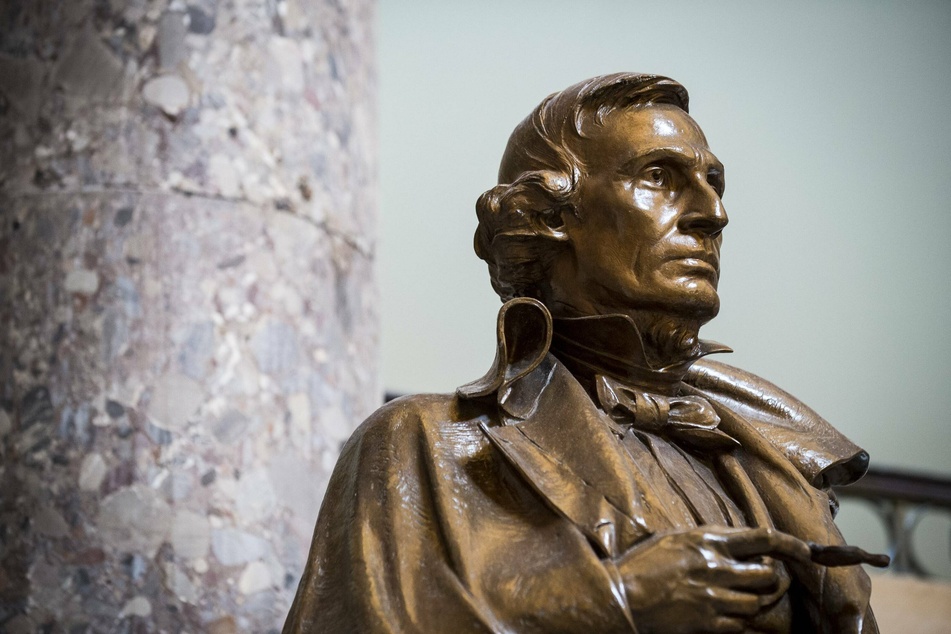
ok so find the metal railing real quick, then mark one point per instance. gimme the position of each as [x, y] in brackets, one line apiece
[901, 499]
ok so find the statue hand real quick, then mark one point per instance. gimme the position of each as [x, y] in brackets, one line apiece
[706, 579]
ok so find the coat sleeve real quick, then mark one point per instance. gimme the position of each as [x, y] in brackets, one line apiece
[377, 562]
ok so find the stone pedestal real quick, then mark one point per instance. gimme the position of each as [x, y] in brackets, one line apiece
[187, 311]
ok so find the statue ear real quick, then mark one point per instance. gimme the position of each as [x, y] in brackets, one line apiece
[551, 224]
[531, 207]
[541, 215]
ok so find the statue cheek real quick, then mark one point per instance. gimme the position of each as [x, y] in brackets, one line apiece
[644, 199]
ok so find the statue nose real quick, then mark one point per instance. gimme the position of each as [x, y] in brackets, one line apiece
[705, 212]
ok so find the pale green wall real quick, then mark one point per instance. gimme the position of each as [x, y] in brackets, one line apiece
[833, 122]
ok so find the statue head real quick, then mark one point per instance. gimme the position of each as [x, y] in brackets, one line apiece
[608, 202]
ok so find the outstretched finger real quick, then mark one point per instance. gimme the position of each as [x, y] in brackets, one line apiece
[767, 541]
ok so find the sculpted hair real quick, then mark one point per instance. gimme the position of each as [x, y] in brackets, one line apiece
[519, 219]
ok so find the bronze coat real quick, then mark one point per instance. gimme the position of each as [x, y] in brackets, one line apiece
[499, 508]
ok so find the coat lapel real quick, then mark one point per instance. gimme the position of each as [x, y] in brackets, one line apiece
[553, 435]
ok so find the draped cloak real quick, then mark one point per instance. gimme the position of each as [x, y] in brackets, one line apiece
[502, 507]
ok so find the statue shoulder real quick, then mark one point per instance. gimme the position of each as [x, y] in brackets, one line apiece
[730, 382]
[407, 423]
[405, 414]
[820, 452]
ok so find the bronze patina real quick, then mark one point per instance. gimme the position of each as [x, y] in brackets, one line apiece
[602, 476]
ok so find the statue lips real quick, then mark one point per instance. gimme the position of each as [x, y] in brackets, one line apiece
[702, 262]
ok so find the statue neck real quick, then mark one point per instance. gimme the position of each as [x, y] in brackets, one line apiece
[653, 352]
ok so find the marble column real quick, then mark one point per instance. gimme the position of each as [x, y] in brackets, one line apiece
[188, 326]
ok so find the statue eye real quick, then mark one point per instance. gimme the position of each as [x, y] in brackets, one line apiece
[657, 176]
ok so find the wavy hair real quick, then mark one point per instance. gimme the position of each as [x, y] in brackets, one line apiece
[518, 234]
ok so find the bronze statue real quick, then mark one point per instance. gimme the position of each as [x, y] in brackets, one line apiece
[601, 477]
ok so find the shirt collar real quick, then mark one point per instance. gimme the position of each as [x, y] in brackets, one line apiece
[587, 346]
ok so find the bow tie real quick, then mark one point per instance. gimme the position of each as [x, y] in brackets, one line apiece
[687, 420]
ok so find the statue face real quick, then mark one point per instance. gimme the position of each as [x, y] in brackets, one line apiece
[650, 217]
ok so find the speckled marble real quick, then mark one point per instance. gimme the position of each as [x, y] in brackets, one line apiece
[188, 324]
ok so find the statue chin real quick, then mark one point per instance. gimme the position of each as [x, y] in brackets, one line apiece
[699, 303]
[693, 302]
[689, 308]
